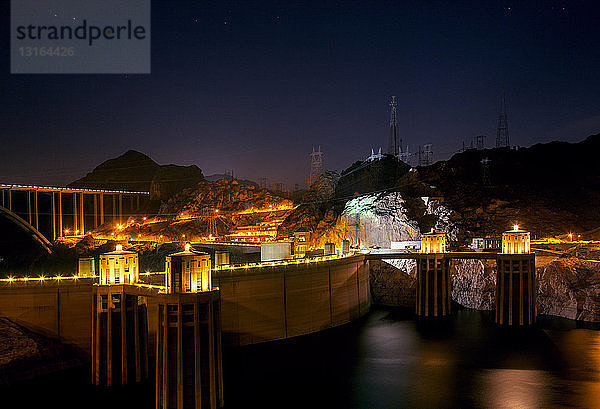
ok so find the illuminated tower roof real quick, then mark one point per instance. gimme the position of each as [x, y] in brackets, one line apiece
[119, 267]
[433, 242]
[188, 272]
[516, 241]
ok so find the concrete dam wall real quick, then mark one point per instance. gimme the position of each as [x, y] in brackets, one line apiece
[258, 304]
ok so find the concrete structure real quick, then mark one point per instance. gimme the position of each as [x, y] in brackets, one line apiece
[189, 368]
[119, 267]
[345, 246]
[301, 238]
[406, 245]
[433, 277]
[516, 287]
[221, 258]
[328, 249]
[433, 242]
[119, 323]
[54, 212]
[86, 267]
[276, 251]
[188, 271]
[486, 244]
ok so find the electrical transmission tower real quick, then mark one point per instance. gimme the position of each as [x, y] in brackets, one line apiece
[485, 171]
[262, 182]
[502, 139]
[316, 166]
[395, 141]
[425, 155]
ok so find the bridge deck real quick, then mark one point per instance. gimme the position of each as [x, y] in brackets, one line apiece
[68, 189]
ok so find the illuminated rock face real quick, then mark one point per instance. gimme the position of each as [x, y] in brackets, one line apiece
[379, 219]
[570, 287]
[474, 283]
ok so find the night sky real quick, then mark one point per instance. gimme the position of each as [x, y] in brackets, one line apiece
[252, 87]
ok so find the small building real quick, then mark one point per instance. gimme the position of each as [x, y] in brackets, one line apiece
[329, 249]
[301, 239]
[406, 245]
[433, 242]
[221, 258]
[516, 241]
[86, 267]
[188, 271]
[486, 244]
[119, 267]
[276, 251]
[345, 246]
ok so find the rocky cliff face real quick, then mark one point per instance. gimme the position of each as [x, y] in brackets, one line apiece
[570, 286]
[379, 219]
[474, 283]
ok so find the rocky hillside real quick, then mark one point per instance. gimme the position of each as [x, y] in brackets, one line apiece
[136, 171]
[25, 355]
[549, 188]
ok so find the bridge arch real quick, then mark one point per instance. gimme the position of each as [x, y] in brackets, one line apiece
[28, 228]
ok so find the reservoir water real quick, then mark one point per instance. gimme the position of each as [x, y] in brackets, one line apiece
[385, 360]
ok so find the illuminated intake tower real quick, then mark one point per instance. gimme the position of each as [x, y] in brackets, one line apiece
[433, 278]
[119, 322]
[189, 370]
[516, 288]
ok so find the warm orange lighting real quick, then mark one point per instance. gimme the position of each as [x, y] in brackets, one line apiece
[516, 227]
[183, 235]
[66, 231]
[144, 218]
[76, 231]
[139, 235]
[119, 247]
[10, 279]
[187, 246]
[216, 210]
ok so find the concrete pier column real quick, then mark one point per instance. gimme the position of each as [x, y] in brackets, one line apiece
[35, 201]
[81, 214]
[114, 209]
[101, 208]
[120, 209]
[60, 215]
[95, 210]
[53, 204]
[10, 199]
[28, 206]
[74, 212]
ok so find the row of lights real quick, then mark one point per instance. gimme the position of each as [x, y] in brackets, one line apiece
[5, 186]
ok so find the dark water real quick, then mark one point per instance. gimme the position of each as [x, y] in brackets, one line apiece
[386, 360]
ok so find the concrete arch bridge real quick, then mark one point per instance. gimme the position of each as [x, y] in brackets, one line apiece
[47, 213]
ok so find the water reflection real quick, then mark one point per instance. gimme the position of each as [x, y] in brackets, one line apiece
[386, 360]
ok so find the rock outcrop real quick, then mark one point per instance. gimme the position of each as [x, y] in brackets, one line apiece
[137, 172]
[25, 355]
[378, 219]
